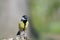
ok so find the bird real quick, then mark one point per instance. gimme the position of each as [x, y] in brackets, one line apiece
[23, 24]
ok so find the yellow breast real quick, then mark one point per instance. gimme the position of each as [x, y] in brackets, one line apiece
[21, 25]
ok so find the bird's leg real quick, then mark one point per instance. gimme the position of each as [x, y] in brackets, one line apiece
[25, 35]
[22, 35]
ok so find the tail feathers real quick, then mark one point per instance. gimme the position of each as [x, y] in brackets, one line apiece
[18, 33]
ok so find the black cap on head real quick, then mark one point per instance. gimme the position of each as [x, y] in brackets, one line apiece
[24, 17]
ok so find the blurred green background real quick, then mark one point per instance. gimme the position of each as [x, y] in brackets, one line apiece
[45, 16]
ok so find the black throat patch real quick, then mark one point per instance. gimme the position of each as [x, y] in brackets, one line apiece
[24, 24]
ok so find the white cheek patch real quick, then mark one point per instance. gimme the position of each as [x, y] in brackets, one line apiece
[23, 18]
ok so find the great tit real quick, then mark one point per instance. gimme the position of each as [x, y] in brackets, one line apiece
[23, 24]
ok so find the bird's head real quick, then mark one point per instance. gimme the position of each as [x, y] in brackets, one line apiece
[24, 18]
